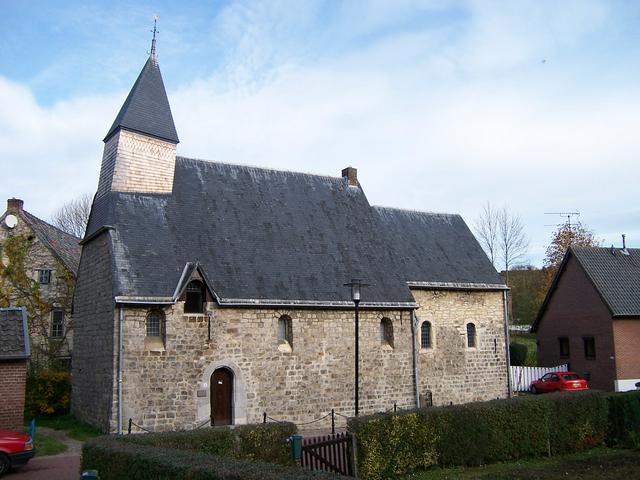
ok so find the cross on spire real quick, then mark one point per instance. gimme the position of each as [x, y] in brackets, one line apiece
[154, 58]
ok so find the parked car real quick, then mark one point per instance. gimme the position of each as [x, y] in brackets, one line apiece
[559, 381]
[15, 449]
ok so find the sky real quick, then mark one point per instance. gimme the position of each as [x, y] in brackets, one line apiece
[441, 105]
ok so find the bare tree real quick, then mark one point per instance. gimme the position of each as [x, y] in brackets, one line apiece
[73, 216]
[512, 240]
[486, 227]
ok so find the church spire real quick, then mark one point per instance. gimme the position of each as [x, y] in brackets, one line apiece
[146, 110]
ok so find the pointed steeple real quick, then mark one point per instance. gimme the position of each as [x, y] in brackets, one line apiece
[146, 110]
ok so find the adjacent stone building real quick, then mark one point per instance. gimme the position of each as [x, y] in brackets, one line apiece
[39, 265]
[213, 293]
[14, 354]
[590, 317]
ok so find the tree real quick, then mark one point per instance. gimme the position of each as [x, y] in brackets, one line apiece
[486, 227]
[73, 216]
[501, 234]
[567, 235]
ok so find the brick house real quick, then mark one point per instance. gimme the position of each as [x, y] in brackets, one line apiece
[590, 317]
[50, 264]
[14, 354]
[211, 292]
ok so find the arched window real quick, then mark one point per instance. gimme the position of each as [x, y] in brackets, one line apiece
[195, 297]
[386, 332]
[425, 335]
[155, 324]
[471, 335]
[285, 331]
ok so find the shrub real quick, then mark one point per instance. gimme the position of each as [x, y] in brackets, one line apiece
[518, 353]
[47, 392]
[265, 442]
[624, 420]
[118, 458]
[478, 433]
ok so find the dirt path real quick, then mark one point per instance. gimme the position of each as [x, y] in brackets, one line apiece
[64, 466]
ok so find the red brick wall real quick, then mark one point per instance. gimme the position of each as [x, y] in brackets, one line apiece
[13, 377]
[575, 311]
[627, 339]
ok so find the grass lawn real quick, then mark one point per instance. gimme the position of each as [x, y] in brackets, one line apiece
[74, 428]
[46, 445]
[597, 464]
[528, 339]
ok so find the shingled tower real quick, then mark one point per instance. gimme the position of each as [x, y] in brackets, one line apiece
[140, 147]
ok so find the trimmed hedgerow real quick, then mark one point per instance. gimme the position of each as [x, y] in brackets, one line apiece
[264, 442]
[478, 433]
[115, 458]
[624, 419]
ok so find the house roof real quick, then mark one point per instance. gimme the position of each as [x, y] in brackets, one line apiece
[259, 235]
[436, 249]
[146, 109]
[613, 272]
[64, 245]
[14, 339]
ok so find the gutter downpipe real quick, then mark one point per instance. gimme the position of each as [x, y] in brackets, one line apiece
[415, 359]
[120, 314]
[505, 299]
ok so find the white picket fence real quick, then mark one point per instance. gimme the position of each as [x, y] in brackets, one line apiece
[521, 377]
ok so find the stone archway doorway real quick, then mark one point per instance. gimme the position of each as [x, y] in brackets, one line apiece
[221, 395]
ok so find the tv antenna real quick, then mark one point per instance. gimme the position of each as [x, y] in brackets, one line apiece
[568, 215]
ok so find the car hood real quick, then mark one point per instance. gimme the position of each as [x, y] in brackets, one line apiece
[13, 436]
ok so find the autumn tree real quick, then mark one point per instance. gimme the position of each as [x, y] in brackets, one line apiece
[567, 235]
[73, 216]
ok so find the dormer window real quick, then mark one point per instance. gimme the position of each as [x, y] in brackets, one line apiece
[194, 302]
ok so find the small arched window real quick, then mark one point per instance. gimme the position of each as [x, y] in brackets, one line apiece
[155, 324]
[425, 335]
[471, 335]
[285, 331]
[386, 332]
[194, 302]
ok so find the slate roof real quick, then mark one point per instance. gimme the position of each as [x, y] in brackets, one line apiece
[146, 109]
[258, 234]
[14, 339]
[615, 275]
[64, 245]
[436, 248]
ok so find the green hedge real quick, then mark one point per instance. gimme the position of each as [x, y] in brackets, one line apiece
[479, 433]
[518, 353]
[624, 420]
[47, 392]
[264, 442]
[116, 459]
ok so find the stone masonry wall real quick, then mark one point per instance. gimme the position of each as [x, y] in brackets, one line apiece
[40, 257]
[13, 377]
[453, 372]
[133, 162]
[169, 389]
[93, 356]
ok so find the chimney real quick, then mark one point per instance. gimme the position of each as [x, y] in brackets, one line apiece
[624, 241]
[351, 175]
[14, 205]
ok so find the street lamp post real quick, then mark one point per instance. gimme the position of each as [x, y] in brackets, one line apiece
[356, 285]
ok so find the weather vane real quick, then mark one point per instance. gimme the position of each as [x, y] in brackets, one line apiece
[153, 41]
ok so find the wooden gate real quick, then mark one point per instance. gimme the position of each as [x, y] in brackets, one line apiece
[331, 453]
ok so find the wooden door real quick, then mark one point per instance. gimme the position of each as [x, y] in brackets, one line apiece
[222, 397]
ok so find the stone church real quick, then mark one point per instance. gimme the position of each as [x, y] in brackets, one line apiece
[210, 292]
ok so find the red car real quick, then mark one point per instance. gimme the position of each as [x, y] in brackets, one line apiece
[15, 449]
[559, 381]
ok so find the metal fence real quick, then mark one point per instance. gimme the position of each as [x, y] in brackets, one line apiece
[521, 377]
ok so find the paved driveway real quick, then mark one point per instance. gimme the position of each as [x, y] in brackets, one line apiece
[58, 467]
